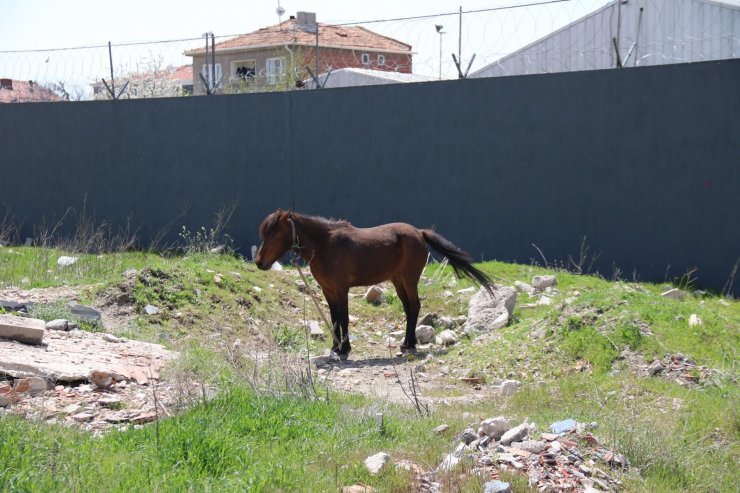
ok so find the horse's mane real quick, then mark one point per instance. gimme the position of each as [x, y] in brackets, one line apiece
[326, 221]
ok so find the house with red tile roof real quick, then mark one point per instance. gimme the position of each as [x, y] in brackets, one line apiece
[277, 57]
[25, 91]
[158, 83]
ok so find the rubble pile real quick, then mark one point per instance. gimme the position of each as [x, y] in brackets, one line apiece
[568, 458]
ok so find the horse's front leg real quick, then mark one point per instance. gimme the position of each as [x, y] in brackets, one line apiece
[336, 335]
[343, 318]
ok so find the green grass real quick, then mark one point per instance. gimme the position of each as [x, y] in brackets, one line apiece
[679, 438]
[237, 442]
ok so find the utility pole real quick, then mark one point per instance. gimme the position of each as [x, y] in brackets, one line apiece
[439, 28]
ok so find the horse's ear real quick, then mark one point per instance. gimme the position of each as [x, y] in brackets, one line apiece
[290, 213]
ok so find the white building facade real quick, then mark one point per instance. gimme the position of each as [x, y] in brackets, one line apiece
[631, 33]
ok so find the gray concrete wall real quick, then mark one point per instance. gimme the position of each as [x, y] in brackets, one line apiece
[645, 162]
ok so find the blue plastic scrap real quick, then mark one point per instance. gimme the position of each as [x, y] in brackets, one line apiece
[563, 426]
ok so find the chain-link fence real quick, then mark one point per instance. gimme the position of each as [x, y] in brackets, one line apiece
[534, 37]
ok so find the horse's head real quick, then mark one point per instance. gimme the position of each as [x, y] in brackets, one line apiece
[276, 236]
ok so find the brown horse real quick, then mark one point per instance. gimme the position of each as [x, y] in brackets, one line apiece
[341, 256]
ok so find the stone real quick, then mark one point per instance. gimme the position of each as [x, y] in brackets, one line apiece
[218, 278]
[358, 488]
[30, 385]
[516, 434]
[509, 387]
[151, 310]
[674, 294]
[58, 324]
[84, 312]
[374, 294]
[11, 306]
[446, 338]
[544, 301]
[428, 319]
[654, 368]
[276, 267]
[532, 446]
[424, 334]
[441, 429]
[446, 322]
[523, 287]
[494, 427]
[83, 417]
[376, 463]
[112, 338]
[109, 401]
[315, 330]
[487, 312]
[130, 273]
[448, 463]
[563, 426]
[102, 379]
[497, 487]
[694, 320]
[540, 283]
[468, 436]
[22, 329]
[65, 261]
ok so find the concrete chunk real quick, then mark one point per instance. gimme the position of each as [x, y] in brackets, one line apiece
[27, 330]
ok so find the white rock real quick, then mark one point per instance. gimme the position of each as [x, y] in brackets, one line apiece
[674, 294]
[494, 427]
[523, 287]
[446, 338]
[111, 338]
[516, 434]
[374, 294]
[376, 463]
[424, 334]
[65, 261]
[540, 283]
[256, 289]
[58, 324]
[151, 310]
[449, 463]
[509, 387]
[544, 301]
[694, 320]
[315, 330]
[276, 266]
[488, 312]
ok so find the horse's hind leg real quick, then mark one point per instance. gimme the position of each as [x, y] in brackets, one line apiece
[411, 307]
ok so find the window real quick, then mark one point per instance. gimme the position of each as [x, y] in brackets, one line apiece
[274, 70]
[365, 59]
[245, 69]
[207, 74]
[381, 60]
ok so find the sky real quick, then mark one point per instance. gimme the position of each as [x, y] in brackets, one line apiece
[27, 25]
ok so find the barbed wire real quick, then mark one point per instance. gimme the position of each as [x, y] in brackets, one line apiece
[485, 37]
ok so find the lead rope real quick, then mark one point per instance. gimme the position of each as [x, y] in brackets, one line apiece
[308, 286]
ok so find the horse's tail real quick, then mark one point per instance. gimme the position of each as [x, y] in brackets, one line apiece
[459, 259]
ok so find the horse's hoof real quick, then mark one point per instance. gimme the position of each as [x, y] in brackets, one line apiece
[343, 356]
[408, 350]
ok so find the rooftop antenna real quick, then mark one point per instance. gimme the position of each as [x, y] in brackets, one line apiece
[280, 11]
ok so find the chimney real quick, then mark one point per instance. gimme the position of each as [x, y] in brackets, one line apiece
[6, 84]
[307, 21]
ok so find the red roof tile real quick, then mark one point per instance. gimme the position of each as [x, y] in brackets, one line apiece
[17, 91]
[288, 32]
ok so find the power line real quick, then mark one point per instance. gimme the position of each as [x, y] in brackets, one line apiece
[376, 21]
[431, 16]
